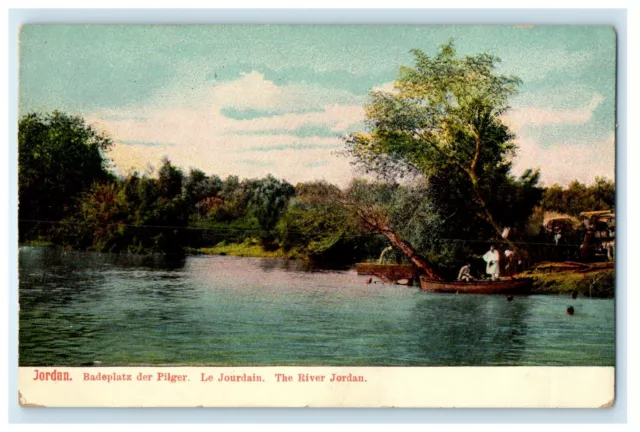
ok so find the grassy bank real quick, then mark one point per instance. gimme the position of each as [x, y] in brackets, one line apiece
[597, 280]
[36, 243]
[248, 248]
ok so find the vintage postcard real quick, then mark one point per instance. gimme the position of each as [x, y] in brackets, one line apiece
[316, 216]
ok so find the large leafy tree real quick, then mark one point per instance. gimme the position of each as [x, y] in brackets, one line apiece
[199, 187]
[59, 157]
[269, 198]
[134, 214]
[315, 224]
[442, 123]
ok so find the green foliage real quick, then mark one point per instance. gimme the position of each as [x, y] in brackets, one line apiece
[59, 158]
[234, 196]
[578, 197]
[315, 224]
[269, 197]
[134, 214]
[410, 212]
[249, 247]
[209, 231]
[170, 180]
[598, 283]
[199, 187]
[241, 209]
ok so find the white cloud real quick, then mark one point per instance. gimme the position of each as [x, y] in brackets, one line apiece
[252, 91]
[388, 87]
[284, 156]
[188, 126]
[249, 91]
[535, 65]
[568, 161]
[200, 136]
[533, 115]
[190, 129]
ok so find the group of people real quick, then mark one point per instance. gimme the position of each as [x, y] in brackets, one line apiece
[492, 258]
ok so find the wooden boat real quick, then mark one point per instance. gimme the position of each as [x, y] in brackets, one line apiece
[503, 286]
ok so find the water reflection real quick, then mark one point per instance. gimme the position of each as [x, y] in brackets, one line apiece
[272, 264]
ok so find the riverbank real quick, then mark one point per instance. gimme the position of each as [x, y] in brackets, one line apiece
[248, 248]
[36, 243]
[586, 280]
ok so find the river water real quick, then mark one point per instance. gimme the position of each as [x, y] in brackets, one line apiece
[86, 308]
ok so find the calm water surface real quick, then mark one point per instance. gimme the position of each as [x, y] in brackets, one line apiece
[80, 308]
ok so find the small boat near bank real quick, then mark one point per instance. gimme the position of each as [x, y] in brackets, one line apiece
[504, 286]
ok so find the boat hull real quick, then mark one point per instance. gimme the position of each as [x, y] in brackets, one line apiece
[506, 286]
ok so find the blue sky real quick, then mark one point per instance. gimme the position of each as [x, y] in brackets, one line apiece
[252, 100]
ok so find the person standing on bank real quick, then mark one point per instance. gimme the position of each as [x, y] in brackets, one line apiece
[492, 258]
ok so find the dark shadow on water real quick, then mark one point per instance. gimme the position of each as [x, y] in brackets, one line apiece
[63, 296]
[271, 264]
[70, 260]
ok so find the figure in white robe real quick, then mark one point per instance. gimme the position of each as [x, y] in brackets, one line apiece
[492, 258]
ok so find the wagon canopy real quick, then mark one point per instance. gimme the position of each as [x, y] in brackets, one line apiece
[563, 221]
[599, 218]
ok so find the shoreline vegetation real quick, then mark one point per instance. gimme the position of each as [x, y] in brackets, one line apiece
[248, 248]
[597, 281]
[444, 191]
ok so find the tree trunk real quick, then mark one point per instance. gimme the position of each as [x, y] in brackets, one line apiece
[411, 253]
[379, 225]
[488, 216]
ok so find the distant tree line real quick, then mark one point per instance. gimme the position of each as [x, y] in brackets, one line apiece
[69, 196]
[578, 197]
